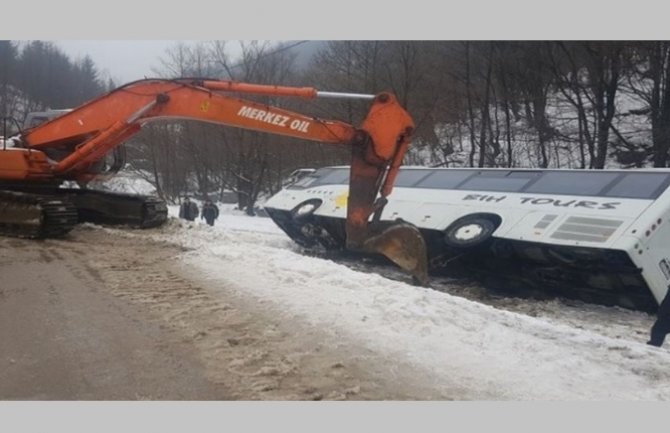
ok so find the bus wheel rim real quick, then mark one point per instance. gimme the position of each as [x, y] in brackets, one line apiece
[468, 232]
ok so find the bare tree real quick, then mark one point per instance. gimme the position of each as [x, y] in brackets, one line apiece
[650, 82]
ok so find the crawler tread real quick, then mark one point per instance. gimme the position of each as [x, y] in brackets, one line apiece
[40, 216]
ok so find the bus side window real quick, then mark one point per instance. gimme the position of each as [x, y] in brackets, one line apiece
[500, 181]
[298, 176]
[409, 177]
[447, 178]
[640, 185]
[36, 121]
[571, 183]
[337, 176]
[309, 179]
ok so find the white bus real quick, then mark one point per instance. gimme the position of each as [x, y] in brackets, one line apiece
[598, 235]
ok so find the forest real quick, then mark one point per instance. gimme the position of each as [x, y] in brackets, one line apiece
[546, 104]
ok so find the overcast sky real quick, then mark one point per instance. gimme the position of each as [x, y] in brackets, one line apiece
[123, 60]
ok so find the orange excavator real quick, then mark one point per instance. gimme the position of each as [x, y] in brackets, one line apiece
[72, 146]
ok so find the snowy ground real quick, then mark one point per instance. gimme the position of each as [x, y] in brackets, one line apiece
[487, 348]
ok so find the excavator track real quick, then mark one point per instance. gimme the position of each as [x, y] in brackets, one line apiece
[35, 216]
[104, 207]
[46, 212]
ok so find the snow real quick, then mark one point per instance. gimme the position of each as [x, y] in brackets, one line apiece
[126, 182]
[485, 352]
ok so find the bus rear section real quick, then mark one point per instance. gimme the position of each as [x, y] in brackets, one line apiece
[595, 235]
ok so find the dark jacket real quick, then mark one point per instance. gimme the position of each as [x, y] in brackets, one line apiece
[188, 211]
[210, 212]
[662, 325]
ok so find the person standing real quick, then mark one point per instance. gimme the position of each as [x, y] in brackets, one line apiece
[188, 210]
[661, 326]
[210, 212]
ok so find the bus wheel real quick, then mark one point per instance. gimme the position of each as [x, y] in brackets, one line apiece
[304, 211]
[469, 231]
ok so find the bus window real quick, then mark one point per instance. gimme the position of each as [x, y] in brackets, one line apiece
[310, 179]
[408, 178]
[502, 181]
[639, 185]
[445, 178]
[571, 183]
[303, 183]
[300, 175]
[37, 120]
[338, 176]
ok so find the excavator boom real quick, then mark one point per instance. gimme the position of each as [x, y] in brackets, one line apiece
[69, 147]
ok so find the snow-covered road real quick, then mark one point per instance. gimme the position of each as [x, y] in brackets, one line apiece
[447, 342]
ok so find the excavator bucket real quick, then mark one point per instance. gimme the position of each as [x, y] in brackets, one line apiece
[403, 244]
[400, 242]
[374, 165]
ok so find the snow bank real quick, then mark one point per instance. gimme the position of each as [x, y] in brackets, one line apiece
[459, 344]
[128, 183]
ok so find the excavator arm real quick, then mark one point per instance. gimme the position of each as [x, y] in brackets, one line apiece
[84, 135]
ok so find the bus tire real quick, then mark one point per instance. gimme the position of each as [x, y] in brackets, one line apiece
[304, 211]
[469, 231]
